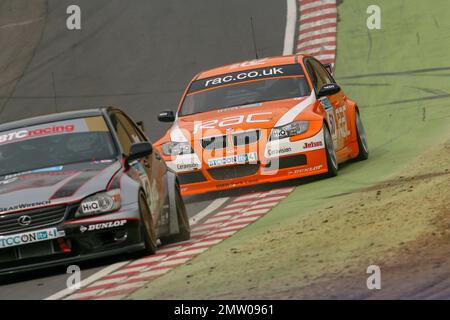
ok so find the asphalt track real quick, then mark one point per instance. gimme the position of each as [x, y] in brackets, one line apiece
[138, 55]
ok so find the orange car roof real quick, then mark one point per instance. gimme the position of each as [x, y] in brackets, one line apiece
[248, 65]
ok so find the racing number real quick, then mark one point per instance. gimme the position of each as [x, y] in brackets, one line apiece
[330, 115]
[331, 122]
[341, 114]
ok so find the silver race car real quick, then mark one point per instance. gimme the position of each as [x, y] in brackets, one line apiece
[81, 185]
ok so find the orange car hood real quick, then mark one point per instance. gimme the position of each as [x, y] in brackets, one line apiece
[263, 115]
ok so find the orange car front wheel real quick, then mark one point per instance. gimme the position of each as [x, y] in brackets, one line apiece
[332, 162]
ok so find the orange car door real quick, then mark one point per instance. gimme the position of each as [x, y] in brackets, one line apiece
[341, 132]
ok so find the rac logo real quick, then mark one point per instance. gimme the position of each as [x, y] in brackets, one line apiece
[260, 117]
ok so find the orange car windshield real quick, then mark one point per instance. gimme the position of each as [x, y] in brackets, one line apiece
[229, 91]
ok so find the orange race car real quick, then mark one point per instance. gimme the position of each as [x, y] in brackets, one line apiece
[261, 121]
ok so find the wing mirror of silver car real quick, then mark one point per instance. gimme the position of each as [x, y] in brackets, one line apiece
[139, 150]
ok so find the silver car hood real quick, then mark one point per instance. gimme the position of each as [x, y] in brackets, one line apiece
[56, 185]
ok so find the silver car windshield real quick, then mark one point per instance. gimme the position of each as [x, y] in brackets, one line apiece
[55, 144]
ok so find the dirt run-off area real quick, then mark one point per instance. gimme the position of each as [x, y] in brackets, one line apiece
[404, 228]
[401, 225]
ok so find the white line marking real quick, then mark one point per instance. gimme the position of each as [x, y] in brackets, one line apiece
[147, 260]
[206, 243]
[222, 218]
[124, 286]
[200, 232]
[202, 227]
[231, 211]
[231, 228]
[216, 204]
[135, 269]
[170, 249]
[83, 294]
[189, 252]
[102, 273]
[222, 234]
[271, 197]
[108, 281]
[291, 21]
[118, 297]
[238, 204]
[244, 219]
[264, 206]
[169, 263]
[260, 211]
[151, 273]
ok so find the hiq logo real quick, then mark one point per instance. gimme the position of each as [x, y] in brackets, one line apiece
[90, 206]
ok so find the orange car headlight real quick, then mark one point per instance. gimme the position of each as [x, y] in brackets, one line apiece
[289, 130]
[177, 148]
